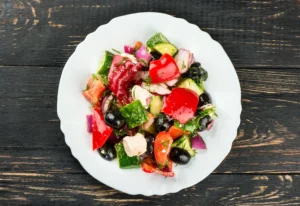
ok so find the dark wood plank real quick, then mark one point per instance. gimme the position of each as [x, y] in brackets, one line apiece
[45, 188]
[268, 138]
[254, 33]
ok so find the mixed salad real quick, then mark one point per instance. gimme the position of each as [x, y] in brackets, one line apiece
[149, 106]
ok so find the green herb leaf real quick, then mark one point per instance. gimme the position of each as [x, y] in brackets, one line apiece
[116, 51]
[211, 111]
[148, 80]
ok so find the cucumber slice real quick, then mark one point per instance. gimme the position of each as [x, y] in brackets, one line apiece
[155, 105]
[157, 39]
[105, 63]
[190, 84]
[166, 48]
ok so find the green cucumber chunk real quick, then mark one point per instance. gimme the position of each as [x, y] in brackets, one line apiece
[157, 39]
[134, 114]
[166, 48]
[155, 105]
[125, 161]
[184, 142]
[105, 63]
[190, 84]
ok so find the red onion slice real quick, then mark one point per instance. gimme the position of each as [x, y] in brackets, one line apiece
[128, 49]
[89, 119]
[198, 143]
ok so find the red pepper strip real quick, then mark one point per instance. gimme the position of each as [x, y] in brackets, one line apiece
[120, 79]
[150, 166]
[163, 69]
[176, 132]
[100, 130]
[94, 91]
[181, 104]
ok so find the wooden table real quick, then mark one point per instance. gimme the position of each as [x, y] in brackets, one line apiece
[262, 38]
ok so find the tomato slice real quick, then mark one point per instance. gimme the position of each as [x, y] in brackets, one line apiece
[162, 147]
[100, 131]
[163, 69]
[181, 104]
[94, 91]
[149, 166]
[176, 132]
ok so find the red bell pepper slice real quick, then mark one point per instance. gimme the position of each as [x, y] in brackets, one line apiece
[176, 132]
[94, 90]
[181, 104]
[149, 166]
[100, 130]
[163, 69]
[121, 74]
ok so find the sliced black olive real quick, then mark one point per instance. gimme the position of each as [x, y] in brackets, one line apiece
[150, 145]
[204, 99]
[114, 119]
[196, 73]
[107, 152]
[204, 122]
[162, 123]
[179, 156]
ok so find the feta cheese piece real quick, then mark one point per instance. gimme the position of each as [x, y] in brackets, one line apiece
[139, 93]
[135, 145]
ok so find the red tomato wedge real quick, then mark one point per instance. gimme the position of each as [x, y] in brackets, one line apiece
[176, 132]
[162, 147]
[100, 130]
[181, 104]
[163, 69]
[95, 88]
[149, 166]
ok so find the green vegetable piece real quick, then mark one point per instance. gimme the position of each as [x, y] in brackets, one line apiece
[105, 63]
[155, 105]
[190, 84]
[166, 48]
[157, 39]
[211, 111]
[134, 114]
[184, 142]
[191, 126]
[125, 161]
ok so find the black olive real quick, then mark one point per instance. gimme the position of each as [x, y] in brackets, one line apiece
[179, 156]
[114, 119]
[107, 152]
[196, 73]
[204, 122]
[204, 99]
[162, 123]
[150, 145]
[155, 55]
[196, 64]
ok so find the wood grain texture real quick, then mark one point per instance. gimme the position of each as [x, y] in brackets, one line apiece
[268, 138]
[254, 33]
[45, 188]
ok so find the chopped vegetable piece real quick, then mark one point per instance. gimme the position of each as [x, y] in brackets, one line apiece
[149, 125]
[94, 90]
[190, 127]
[134, 114]
[128, 49]
[121, 77]
[137, 45]
[89, 119]
[157, 39]
[139, 93]
[184, 142]
[176, 132]
[105, 63]
[181, 104]
[165, 48]
[143, 56]
[160, 89]
[156, 105]
[190, 84]
[184, 59]
[198, 143]
[149, 166]
[162, 147]
[125, 161]
[100, 130]
[163, 69]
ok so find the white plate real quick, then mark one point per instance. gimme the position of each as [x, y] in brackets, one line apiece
[222, 84]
